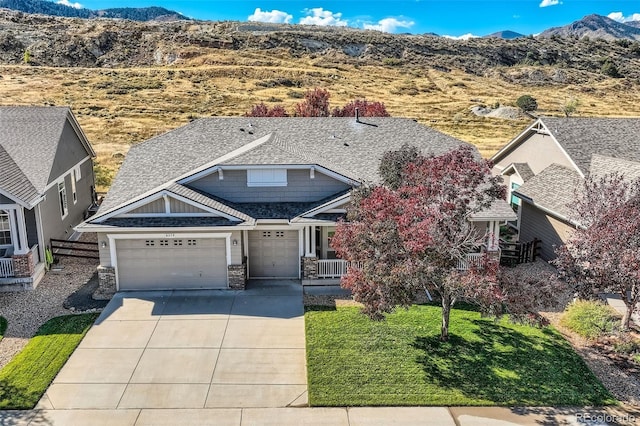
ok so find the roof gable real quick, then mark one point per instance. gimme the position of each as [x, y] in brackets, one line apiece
[30, 137]
[338, 144]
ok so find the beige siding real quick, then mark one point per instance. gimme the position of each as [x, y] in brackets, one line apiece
[534, 223]
[300, 187]
[539, 151]
[105, 254]
[178, 206]
[156, 206]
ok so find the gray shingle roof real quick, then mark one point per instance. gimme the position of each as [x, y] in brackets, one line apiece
[207, 200]
[13, 180]
[524, 171]
[584, 137]
[167, 222]
[29, 136]
[553, 188]
[601, 165]
[339, 144]
[499, 210]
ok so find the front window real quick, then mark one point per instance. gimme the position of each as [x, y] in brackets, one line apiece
[515, 201]
[74, 179]
[5, 229]
[62, 192]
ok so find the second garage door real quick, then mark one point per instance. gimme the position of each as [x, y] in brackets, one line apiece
[174, 263]
[273, 254]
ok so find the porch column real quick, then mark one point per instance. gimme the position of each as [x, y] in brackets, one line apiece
[310, 241]
[313, 241]
[14, 230]
[22, 232]
[494, 236]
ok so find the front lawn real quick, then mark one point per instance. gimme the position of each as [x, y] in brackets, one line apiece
[353, 361]
[25, 379]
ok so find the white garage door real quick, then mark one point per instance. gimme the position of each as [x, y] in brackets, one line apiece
[273, 254]
[171, 263]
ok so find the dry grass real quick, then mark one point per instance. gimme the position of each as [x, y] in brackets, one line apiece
[119, 107]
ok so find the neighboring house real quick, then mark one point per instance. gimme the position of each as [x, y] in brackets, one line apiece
[545, 165]
[46, 186]
[221, 200]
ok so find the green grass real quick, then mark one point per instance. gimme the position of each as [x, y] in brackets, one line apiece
[25, 379]
[353, 361]
[590, 319]
[3, 326]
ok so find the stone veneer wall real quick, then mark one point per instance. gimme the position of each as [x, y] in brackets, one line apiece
[237, 276]
[106, 283]
[23, 265]
[310, 268]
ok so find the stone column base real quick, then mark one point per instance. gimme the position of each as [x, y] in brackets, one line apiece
[237, 276]
[106, 283]
[310, 268]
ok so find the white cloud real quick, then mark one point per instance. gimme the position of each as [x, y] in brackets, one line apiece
[618, 16]
[462, 37]
[389, 25]
[272, 16]
[319, 16]
[68, 3]
[546, 3]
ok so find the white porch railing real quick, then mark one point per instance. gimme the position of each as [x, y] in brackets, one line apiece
[6, 267]
[471, 260]
[332, 268]
[36, 254]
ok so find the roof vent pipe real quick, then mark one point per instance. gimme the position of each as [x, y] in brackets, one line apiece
[357, 115]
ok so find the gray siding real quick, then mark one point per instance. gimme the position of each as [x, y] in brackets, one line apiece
[70, 152]
[32, 229]
[5, 200]
[300, 187]
[105, 253]
[539, 151]
[52, 223]
[156, 206]
[178, 206]
[534, 223]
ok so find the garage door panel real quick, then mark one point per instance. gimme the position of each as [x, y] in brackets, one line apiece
[273, 254]
[145, 264]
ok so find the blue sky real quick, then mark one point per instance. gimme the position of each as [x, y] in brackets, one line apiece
[453, 17]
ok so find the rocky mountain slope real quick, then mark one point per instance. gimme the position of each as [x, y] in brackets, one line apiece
[69, 42]
[596, 26]
[55, 9]
[507, 35]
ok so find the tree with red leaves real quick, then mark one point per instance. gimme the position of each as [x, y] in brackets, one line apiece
[365, 109]
[262, 110]
[315, 104]
[603, 254]
[411, 232]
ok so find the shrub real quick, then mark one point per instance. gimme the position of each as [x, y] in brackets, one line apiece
[392, 62]
[527, 103]
[609, 68]
[589, 318]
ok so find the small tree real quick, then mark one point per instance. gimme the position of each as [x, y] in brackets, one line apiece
[603, 254]
[365, 109]
[609, 68]
[315, 104]
[411, 233]
[527, 103]
[262, 110]
[26, 57]
[570, 107]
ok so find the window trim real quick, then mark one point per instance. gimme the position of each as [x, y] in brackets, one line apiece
[10, 243]
[74, 192]
[63, 202]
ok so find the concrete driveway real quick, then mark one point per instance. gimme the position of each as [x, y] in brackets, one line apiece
[190, 349]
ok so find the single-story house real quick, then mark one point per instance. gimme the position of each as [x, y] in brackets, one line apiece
[223, 200]
[545, 165]
[46, 186]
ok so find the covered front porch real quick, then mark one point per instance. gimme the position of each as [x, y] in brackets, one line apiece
[21, 265]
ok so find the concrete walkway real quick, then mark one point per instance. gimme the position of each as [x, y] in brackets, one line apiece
[364, 416]
[189, 350]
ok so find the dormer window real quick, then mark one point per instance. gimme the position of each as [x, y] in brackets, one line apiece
[267, 177]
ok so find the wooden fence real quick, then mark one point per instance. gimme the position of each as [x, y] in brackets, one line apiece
[74, 249]
[517, 253]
